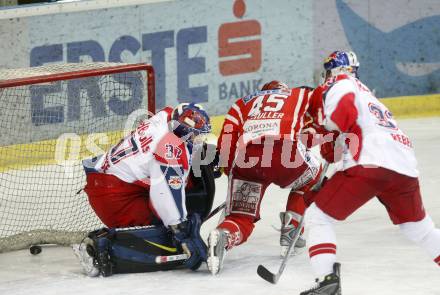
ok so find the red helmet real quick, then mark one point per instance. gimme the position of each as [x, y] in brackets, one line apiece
[275, 84]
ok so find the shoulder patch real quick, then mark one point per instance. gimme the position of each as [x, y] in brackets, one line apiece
[249, 97]
[168, 110]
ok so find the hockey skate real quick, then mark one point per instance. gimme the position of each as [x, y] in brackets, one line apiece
[330, 285]
[217, 244]
[85, 253]
[288, 230]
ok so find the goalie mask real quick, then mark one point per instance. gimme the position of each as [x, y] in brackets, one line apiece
[190, 120]
[341, 62]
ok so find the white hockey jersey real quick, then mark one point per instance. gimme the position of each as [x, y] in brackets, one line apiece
[370, 133]
[152, 157]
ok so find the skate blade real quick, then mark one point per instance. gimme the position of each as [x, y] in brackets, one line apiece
[213, 262]
[213, 265]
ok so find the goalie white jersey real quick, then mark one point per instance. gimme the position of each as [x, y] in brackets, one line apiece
[372, 134]
[153, 157]
[133, 157]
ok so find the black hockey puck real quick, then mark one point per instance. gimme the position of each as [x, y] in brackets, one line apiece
[35, 250]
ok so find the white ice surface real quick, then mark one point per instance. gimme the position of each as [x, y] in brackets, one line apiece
[375, 257]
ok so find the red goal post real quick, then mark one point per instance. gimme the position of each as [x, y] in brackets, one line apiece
[79, 105]
[107, 69]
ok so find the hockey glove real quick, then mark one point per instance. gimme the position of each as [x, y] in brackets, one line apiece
[328, 151]
[187, 235]
[331, 150]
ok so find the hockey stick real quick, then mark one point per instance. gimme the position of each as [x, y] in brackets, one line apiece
[262, 271]
[215, 211]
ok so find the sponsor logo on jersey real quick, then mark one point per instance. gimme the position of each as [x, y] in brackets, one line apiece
[175, 182]
[261, 126]
[245, 197]
[257, 128]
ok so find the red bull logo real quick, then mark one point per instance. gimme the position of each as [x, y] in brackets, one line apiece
[175, 182]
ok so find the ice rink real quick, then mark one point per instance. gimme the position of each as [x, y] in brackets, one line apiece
[375, 257]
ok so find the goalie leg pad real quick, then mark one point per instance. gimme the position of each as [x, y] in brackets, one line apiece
[133, 250]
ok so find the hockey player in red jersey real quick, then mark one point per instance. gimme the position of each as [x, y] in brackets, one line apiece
[141, 181]
[377, 160]
[259, 145]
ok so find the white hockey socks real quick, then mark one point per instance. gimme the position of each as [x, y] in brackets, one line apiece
[322, 241]
[425, 235]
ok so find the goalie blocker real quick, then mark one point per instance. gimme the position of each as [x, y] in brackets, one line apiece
[151, 248]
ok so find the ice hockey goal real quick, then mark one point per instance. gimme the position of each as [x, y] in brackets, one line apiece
[51, 117]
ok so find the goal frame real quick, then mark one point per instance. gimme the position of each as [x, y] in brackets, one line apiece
[151, 87]
[34, 237]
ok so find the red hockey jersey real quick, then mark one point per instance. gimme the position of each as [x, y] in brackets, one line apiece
[270, 113]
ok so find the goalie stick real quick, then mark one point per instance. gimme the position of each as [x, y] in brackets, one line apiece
[170, 258]
[262, 271]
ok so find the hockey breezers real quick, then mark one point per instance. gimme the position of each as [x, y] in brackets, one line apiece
[264, 273]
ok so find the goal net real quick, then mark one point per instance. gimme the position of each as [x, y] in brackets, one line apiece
[52, 117]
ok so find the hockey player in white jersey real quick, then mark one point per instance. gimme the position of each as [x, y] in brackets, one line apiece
[377, 161]
[140, 182]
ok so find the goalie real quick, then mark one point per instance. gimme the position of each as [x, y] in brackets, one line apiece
[151, 202]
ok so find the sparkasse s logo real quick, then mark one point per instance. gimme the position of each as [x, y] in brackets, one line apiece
[239, 44]
[240, 52]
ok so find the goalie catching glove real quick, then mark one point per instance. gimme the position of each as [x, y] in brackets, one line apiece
[187, 236]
